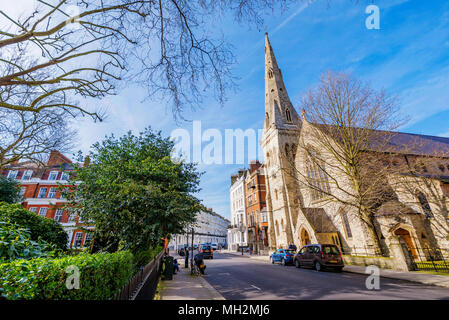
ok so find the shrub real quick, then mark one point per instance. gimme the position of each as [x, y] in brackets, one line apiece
[15, 243]
[142, 258]
[101, 276]
[39, 227]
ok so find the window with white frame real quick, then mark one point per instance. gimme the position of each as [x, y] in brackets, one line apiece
[43, 212]
[88, 239]
[42, 192]
[52, 193]
[58, 215]
[22, 191]
[78, 239]
[264, 217]
[12, 174]
[72, 217]
[53, 175]
[33, 209]
[64, 176]
[27, 175]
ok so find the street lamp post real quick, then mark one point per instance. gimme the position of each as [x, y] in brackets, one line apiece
[191, 258]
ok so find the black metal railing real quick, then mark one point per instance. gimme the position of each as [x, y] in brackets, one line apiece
[363, 251]
[144, 283]
[430, 259]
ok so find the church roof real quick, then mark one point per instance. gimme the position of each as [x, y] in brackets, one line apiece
[398, 142]
[420, 144]
[319, 220]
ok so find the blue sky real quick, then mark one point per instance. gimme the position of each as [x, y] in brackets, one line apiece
[408, 56]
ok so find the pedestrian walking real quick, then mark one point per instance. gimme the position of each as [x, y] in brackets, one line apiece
[175, 266]
[186, 265]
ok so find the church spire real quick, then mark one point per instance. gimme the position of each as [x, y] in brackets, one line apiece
[279, 110]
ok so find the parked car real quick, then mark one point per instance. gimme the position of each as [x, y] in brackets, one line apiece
[214, 246]
[284, 256]
[207, 252]
[320, 256]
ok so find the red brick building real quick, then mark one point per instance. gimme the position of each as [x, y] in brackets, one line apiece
[39, 184]
[255, 192]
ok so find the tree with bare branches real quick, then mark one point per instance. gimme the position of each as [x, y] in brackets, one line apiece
[68, 49]
[32, 136]
[347, 141]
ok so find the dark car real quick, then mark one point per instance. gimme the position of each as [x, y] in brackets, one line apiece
[207, 251]
[319, 256]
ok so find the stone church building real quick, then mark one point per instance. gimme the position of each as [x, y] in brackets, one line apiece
[414, 220]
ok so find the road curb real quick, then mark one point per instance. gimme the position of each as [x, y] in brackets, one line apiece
[215, 295]
[436, 284]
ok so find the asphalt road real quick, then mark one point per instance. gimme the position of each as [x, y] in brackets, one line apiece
[241, 278]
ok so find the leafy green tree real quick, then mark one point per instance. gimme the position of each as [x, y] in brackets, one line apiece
[9, 190]
[39, 227]
[134, 192]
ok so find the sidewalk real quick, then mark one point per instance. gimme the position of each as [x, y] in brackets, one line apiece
[428, 279]
[187, 287]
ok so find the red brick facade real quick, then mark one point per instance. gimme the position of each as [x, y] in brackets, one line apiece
[255, 192]
[40, 189]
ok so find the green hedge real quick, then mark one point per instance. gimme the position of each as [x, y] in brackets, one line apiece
[101, 276]
[142, 258]
[39, 227]
[15, 243]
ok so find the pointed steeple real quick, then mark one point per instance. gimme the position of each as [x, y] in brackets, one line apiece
[279, 110]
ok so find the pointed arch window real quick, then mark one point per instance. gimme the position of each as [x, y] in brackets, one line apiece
[270, 73]
[288, 116]
[424, 204]
[317, 176]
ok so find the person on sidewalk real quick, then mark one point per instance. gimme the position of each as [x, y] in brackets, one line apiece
[175, 266]
[292, 247]
[186, 258]
[199, 261]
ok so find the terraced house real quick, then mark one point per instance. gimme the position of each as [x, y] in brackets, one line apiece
[39, 184]
[255, 205]
[410, 225]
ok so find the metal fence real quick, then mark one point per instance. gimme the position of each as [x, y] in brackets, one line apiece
[430, 259]
[363, 251]
[143, 284]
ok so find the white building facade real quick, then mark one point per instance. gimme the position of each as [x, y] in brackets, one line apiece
[237, 233]
[208, 228]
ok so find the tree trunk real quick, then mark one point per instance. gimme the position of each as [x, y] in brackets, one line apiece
[368, 218]
[375, 236]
